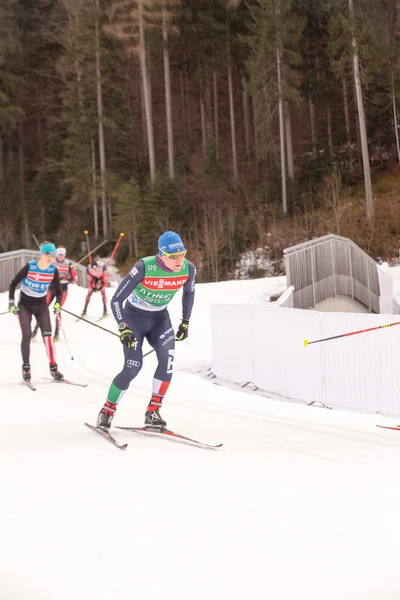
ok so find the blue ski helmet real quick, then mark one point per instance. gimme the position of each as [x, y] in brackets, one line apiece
[47, 247]
[170, 243]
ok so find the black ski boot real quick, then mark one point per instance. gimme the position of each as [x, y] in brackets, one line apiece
[34, 332]
[153, 419]
[106, 416]
[26, 371]
[55, 373]
[56, 335]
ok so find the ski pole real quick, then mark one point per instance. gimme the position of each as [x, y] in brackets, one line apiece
[4, 313]
[121, 235]
[66, 340]
[335, 337]
[99, 327]
[88, 245]
[90, 322]
[36, 240]
[86, 255]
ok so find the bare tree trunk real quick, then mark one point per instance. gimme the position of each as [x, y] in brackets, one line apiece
[82, 117]
[281, 130]
[312, 127]
[289, 143]
[167, 77]
[94, 191]
[135, 234]
[102, 153]
[362, 123]
[1, 161]
[143, 114]
[231, 221]
[41, 155]
[39, 128]
[246, 117]
[130, 244]
[24, 212]
[232, 118]
[329, 127]
[188, 104]
[146, 93]
[216, 116]
[203, 126]
[256, 133]
[347, 122]
[357, 122]
[182, 102]
[148, 71]
[184, 122]
[215, 248]
[396, 131]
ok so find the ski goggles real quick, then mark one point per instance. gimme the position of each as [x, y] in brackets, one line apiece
[52, 254]
[175, 255]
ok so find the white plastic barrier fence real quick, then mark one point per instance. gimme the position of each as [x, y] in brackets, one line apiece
[287, 298]
[385, 279]
[265, 345]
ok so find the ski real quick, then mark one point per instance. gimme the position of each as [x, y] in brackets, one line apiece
[170, 434]
[29, 384]
[107, 436]
[101, 318]
[394, 428]
[83, 385]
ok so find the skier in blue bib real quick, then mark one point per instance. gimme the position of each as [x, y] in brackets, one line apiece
[35, 279]
[140, 308]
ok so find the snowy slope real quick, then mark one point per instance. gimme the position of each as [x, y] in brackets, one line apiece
[300, 503]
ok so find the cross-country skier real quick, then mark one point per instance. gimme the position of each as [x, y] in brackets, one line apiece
[67, 273]
[148, 289]
[35, 278]
[97, 282]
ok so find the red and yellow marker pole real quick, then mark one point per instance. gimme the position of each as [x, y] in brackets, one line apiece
[88, 245]
[336, 337]
[121, 235]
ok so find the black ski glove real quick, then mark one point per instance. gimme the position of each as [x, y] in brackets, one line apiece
[126, 336]
[183, 330]
[12, 308]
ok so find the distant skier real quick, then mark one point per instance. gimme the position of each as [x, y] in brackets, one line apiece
[67, 275]
[35, 279]
[97, 282]
[149, 287]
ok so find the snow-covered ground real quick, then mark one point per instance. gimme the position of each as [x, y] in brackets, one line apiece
[300, 503]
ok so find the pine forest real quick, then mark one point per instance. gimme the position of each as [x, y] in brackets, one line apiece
[239, 124]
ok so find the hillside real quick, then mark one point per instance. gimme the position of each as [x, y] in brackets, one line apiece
[343, 214]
